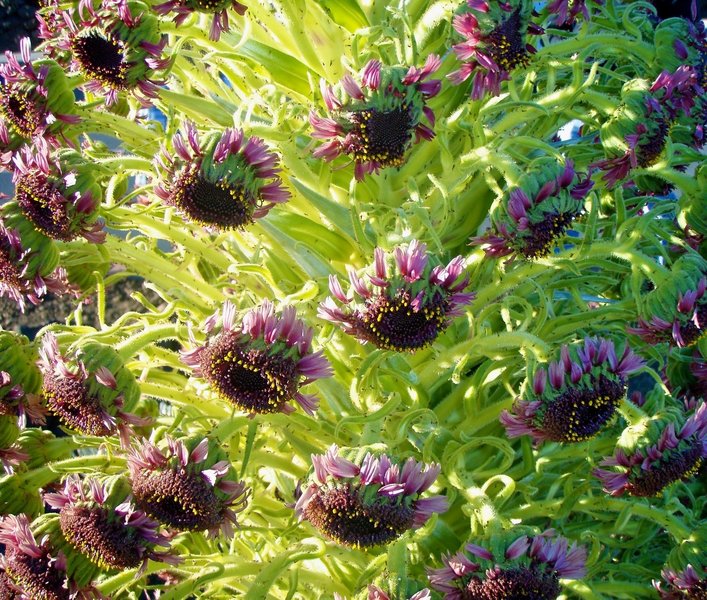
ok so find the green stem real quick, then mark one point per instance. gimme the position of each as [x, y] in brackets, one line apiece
[631, 412]
[134, 134]
[133, 344]
[179, 397]
[125, 161]
[606, 40]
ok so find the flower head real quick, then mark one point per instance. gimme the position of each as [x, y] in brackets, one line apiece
[673, 448]
[575, 397]
[35, 97]
[217, 8]
[185, 489]
[111, 537]
[367, 504]
[223, 182]
[565, 12]
[530, 567]
[20, 380]
[115, 44]
[496, 42]
[404, 308]
[260, 365]
[534, 216]
[85, 394]
[376, 593]
[376, 121]
[676, 311]
[28, 261]
[687, 584]
[58, 193]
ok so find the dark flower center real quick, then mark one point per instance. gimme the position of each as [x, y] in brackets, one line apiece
[248, 377]
[342, 515]
[649, 151]
[697, 591]
[539, 239]
[505, 44]
[69, 400]
[696, 328]
[105, 542]
[10, 278]
[6, 590]
[36, 577]
[44, 205]
[578, 414]
[382, 137]
[673, 466]
[102, 57]
[224, 205]
[178, 498]
[18, 107]
[393, 324]
[520, 583]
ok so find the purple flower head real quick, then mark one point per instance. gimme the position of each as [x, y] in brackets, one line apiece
[375, 122]
[36, 99]
[368, 502]
[85, 395]
[529, 567]
[28, 261]
[689, 583]
[20, 380]
[57, 193]
[218, 8]
[111, 537]
[566, 12]
[186, 490]
[260, 365]
[496, 42]
[225, 181]
[676, 311]
[403, 308]
[573, 399]
[534, 216]
[115, 44]
[672, 449]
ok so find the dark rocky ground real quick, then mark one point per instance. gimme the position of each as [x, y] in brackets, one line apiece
[17, 21]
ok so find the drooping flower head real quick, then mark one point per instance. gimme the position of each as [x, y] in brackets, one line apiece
[35, 97]
[58, 193]
[217, 8]
[28, 261]
[90, 390]
[225, 181]
[260, 365]
[575, 397]
[186, 490]
[29, 569]
[533, 217]
[529, 567]
[115, 44]
[565, 13]
[676, 311]
[111, 537]
[496, 42]
[369, 502]
[20, 380]
[375, 122]
[403, 308]
[671, 446]
[688, 584]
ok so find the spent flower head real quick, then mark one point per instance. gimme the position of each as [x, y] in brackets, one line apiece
[370, 502]
[223, 181]
[401, 308]
[186, 490]
[375, 122]
[574, 398]
[260, 364]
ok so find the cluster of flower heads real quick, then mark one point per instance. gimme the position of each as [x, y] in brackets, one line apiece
[673, 449]
[529, 567]
[376, 122]
[224, 182]
[110, 536]
[404, 310]
[575, 397]
[535, 215]
[370, 503]
[260, 365]
[495, 43]
[115, 44]
[185, 490]
[88, 400]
